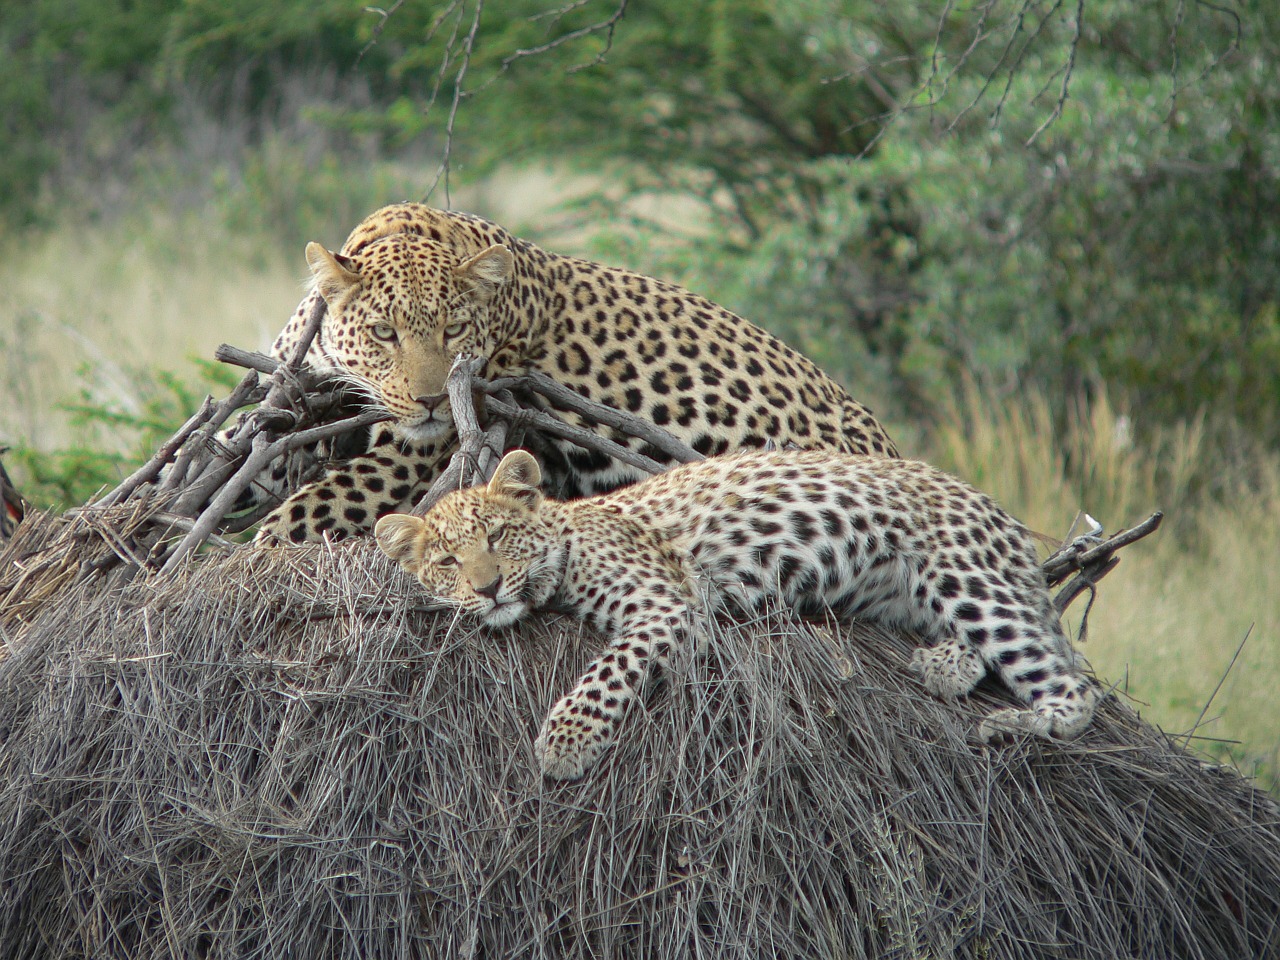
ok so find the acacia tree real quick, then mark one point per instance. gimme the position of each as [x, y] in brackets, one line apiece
[1057, 191]
[1022, 190]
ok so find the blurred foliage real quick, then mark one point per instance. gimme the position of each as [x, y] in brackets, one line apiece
[912, 193]
[1131, 240]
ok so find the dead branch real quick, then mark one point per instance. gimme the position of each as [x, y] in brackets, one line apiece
[151, 469]
[608, 25]
[563, 398]
[1066, 71]
[248, 359]
[478, 450]
[548, 423]
[1092, 561]
[207, 477]
[135, 517]
[262, 453]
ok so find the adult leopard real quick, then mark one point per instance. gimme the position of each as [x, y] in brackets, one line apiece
[413, 287]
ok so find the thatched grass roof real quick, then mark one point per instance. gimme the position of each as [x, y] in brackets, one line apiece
[282, 754]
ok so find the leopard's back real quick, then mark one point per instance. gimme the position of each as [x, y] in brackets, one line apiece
[413, 287]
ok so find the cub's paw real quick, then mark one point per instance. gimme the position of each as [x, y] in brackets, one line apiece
[1064, 717]
[570, 743]
[1012, 721]
[1071, 711]
[948, 669]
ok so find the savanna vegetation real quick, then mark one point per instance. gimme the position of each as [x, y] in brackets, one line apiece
[1042, 239]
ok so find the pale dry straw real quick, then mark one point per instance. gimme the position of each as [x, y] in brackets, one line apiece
[285, 754]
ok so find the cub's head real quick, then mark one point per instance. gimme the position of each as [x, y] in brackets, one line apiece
[488, 550]
[399, 311]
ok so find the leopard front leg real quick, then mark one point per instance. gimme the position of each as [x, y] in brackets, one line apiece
[351, 496]
[585, 721]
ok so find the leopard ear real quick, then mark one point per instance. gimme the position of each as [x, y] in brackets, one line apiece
[397, 535]
[333, 272]
[517, 477]
[487, 270]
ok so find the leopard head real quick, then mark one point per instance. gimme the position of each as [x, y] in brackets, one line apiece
[487, 550]
[399, 311]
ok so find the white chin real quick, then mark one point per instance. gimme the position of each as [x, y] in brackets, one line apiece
[423, 430]
[505, 614]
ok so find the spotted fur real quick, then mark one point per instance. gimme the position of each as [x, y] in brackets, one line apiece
[414, 287]
[893, 541]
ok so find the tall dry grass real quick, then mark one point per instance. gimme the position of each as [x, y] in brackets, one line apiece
[1188, 625]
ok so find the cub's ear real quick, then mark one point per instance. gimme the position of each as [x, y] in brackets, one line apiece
[333, 272]
[397, 535]
[517, 477]
[486, 270]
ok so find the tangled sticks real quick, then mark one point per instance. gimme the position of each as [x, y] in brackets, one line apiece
[187, 495]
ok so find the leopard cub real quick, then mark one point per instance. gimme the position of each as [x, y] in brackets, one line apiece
[894, 541]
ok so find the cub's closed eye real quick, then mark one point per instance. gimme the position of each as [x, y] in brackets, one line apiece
[384, 332]
[496, 535]
[446, 561]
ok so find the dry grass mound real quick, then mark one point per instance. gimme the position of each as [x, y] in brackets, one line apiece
[284, 754]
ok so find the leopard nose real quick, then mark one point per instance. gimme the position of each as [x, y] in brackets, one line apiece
[430, 403]
[491, 589]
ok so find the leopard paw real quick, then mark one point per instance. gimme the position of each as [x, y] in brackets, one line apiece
[1064, 717]
[1012, 721]
[949, 669]
[569, 745]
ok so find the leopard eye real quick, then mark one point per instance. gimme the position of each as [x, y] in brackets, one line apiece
[496, 535]
[448, 560]
[384, 332]
[454, 330]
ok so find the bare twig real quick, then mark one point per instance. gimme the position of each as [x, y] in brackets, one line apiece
[151, 469]
[249, 359]
[1067, 69]
[381, 25]
[565, 399]
[609, 24]
[263, 452]
[1093, 563]
[286, 382]
[280, 379]
[245, 392]
[201, 470]
[1086, 580]
[547, 423]
[468, 45]
[259, 457]
[1221, 680]
[1072, 557]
